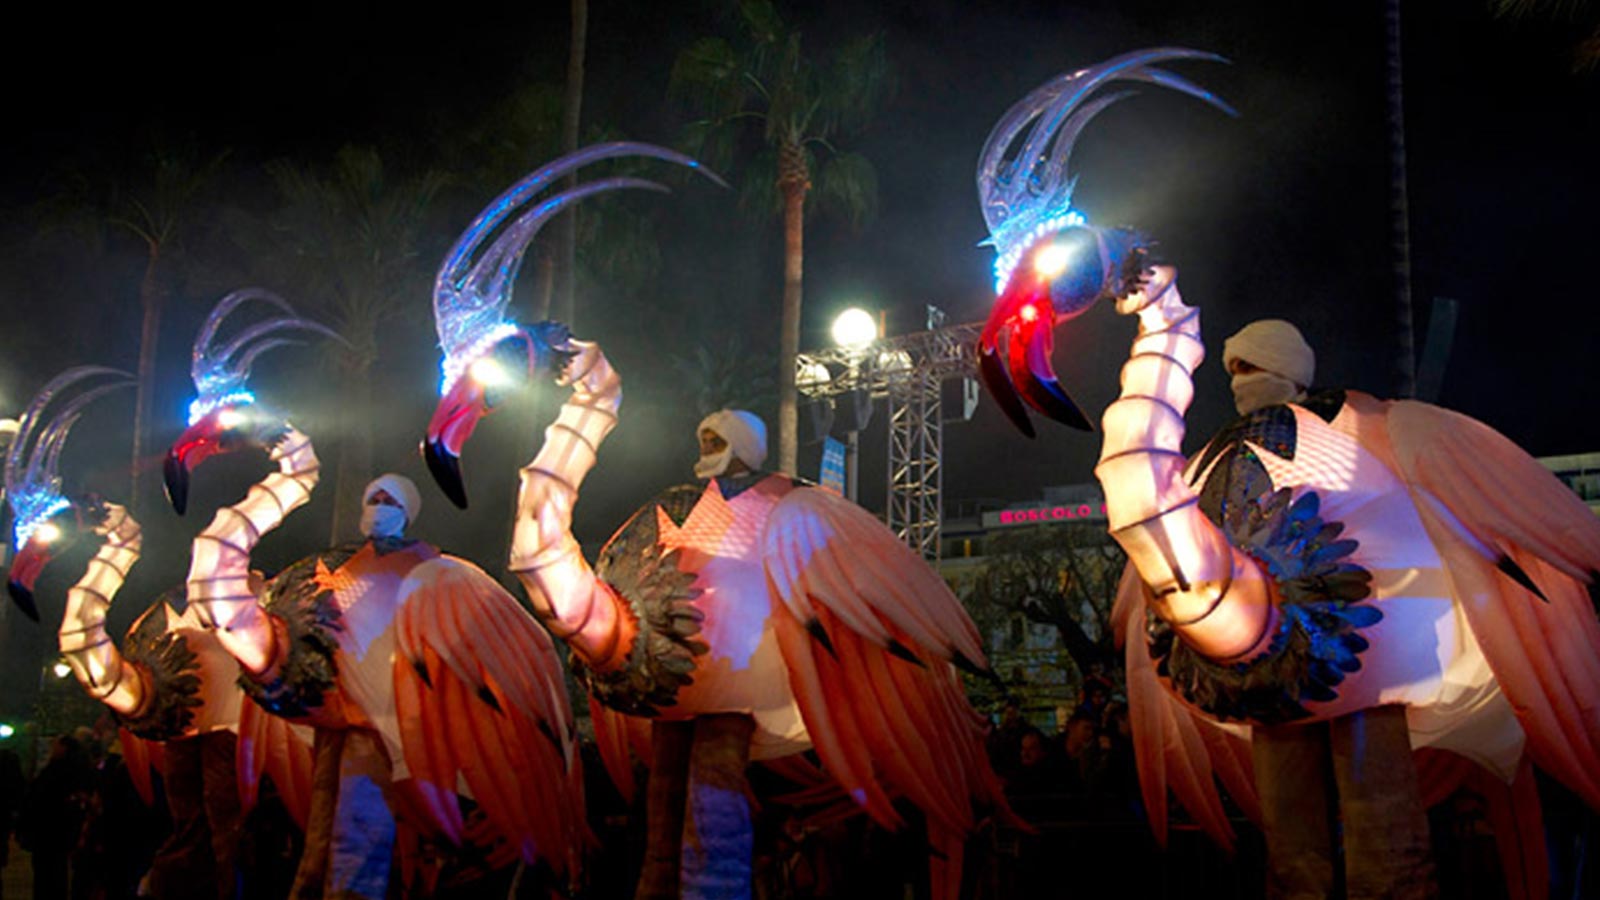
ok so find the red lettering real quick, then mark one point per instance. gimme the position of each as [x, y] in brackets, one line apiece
[1084, 510]
[1005, 517]
[1061, 513]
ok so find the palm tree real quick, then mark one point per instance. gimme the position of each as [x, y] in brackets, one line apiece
[348, 238]
[158, 209]
[724, 374]
[1580, 13]
[1399, 208]
[571, 118]
[802, 104]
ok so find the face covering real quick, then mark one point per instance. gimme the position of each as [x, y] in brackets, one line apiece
[1259, 390]
[379, 520]
[715, 464]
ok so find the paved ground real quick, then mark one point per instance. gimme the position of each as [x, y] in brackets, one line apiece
[16, 882]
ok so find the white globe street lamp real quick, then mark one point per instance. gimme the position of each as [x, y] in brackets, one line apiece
[855, 329]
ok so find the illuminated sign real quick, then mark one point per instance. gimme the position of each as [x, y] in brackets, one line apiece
[1045, 515]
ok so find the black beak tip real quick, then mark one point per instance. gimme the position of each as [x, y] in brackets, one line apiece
[24, 599]
[995, 378]
[445, 467]
[176, 477]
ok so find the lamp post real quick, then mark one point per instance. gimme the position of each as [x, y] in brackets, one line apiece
[854, 331]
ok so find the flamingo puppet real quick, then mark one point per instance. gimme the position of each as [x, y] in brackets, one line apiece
[425, 681]
[1329, 585]
[171, 687]
[747, 618]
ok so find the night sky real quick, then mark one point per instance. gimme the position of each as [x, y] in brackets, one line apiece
[1280, 212]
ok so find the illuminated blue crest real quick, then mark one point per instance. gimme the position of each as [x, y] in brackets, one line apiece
[33, 486]
[473, 290]
[221, 373]
[1026, 195]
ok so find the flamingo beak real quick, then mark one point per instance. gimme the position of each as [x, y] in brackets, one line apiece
[218, 432]
[31, 560]
[458, 413]
[1014, 358]
[475, 394]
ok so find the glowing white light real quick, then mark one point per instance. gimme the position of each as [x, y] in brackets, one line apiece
[811, 374]
[1013, 250]
[6, 731]
[230, 419]
[488, 373]
[855, 329]
[33, 509]
[206, 402]
[455, 364]
[48, 532]
[1052, 260]
[61, 669]
[894, 361]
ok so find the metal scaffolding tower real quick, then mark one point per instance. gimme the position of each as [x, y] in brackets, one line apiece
[908, 371]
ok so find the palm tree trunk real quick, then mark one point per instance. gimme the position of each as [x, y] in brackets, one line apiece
[794, 180]
[571, 118]
[1399, 210]
[151, 299]
[354, 467]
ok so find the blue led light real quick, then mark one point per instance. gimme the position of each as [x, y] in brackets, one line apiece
[456, 364]
[33, 508]
[203, 405]
[1019, 234]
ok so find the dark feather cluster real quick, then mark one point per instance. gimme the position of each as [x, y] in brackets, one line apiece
[659, 594]
[174, 674]
[311, 621]
[1317, 642]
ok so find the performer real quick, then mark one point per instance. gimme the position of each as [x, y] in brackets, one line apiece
[171, 687]
[418, 672]
[1349, 578]
[747, 618]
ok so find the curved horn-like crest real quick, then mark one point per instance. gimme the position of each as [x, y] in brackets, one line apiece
[220, 373]
[1027, 193]
[473, 289]
[33, 485]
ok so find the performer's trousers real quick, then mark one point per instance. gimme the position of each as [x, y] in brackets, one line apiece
[202, 791]
[700, 835]
[1347, 783]
[350, 835]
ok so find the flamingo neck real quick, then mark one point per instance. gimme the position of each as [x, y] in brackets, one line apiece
[219, 572]
[1213, 595]
[83, 640]
[566, 596]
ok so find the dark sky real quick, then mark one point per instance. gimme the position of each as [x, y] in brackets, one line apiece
[1280, 212]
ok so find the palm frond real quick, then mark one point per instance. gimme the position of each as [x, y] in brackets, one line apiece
[848, 185]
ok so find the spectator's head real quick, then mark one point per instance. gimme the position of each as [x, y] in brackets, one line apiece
[63, 746]
[1079, 734]
[1117, 722]
[1032, 751]
[1096, 691]
[1270, 362]
[1010, 714]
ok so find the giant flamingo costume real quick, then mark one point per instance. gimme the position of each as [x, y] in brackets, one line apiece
[424, 679]
[171, 686]
[1402, 573]
[747, 618]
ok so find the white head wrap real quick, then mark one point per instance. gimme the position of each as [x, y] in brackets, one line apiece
[744, 431]
[1275, 346]
[400, 488]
